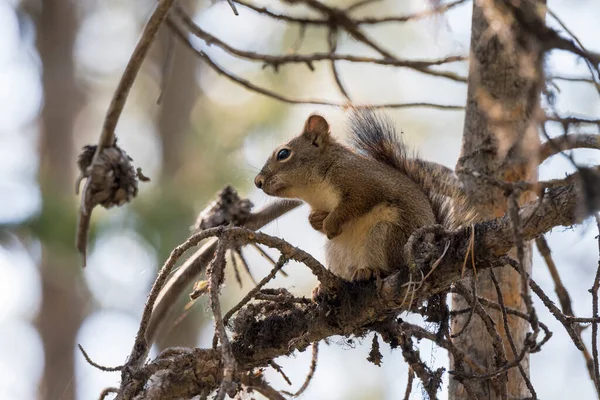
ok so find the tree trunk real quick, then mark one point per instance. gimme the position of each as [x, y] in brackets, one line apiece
[62, 305]
[500, 140]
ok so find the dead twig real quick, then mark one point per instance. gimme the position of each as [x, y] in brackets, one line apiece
[215, 272]
[106, 391]
[513, 212]
[568, 142]
[529, 342]
[268, 257]
[96, 365]
[332, 41]
[107, 136]
[500, 362]
[409, 384]
[278, 368]
[556, 313]
[594, 291]
[311, 372]
[257, 383]
[280, 263]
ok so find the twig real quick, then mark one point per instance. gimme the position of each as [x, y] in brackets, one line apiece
[281, 17]
[438, 9]
[359, 4]
[573, 120]
[311, 372]
[565, 303]
[332, 41]
[590, 66]
[571, 79]
[96, 365]
[107, 136]
[500, 361]
[568, 142]
[431, 380]
[140, 348]
[258, 384]
[280, 263]
[411, 378]
[548, 38]
[215, 272]
[233, 8]
[594, 292]
[106, 391]
[560, 317]
[420, 333]
[529, 343]
[268, 257]
[236, 271]
[513, 212]
[115, 108]
[278, 368]
[240, 255]
[471, 310]
[511, 311]
[437, 262]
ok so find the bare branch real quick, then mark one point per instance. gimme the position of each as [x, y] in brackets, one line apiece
[311, 372]
[594, 291]
[529, 343]
[189, 271]
[255, 88]
[568, 142]
[282, 261]
[215, 272]
[96, 365]
[278, 60]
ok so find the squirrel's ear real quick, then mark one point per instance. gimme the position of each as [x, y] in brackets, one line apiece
[316, 129]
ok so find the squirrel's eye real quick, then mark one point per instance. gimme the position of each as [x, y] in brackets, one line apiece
[283, 154]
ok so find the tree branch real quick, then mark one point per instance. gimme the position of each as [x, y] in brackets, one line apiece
[261, 334]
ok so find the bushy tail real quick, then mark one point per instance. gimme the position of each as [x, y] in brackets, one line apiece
[373, 134]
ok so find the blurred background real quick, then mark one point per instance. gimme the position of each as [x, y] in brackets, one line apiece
[60, 62]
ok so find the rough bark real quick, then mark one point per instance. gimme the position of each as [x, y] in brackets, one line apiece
[62, 303]
[501, 140]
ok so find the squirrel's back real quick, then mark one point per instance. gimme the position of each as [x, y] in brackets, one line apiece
[373, 134]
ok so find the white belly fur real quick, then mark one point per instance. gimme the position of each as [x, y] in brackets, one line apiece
[361, 244]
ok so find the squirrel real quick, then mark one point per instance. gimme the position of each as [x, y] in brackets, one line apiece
[367, 197]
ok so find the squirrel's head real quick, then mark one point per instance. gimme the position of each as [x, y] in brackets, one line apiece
[295, 165]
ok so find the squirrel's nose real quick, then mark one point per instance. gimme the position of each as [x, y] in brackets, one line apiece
[259, 181]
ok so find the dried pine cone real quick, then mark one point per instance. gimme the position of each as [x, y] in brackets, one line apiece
[113, 180]
[227, 208]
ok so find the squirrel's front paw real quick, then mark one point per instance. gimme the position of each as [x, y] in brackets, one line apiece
[316, 218]
[331, 228]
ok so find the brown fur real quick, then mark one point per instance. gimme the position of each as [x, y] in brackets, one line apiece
[366, 207]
